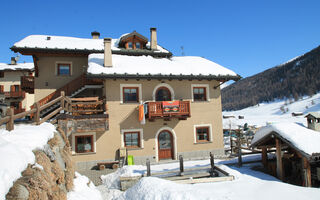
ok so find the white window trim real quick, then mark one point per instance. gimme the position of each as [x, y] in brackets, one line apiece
[132, 130]
[175, 147]
[73, 151]
[195, 132]
[62, 62]
[130, 85]
[201, 85]
[163, 85]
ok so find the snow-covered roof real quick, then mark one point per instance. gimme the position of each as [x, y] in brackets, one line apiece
[70, 43]
[314, 114]
[304, 139]
[148, 65]
[18, 66]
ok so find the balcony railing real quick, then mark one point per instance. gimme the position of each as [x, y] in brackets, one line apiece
[27, 82]
[162, 109]
[15, 94]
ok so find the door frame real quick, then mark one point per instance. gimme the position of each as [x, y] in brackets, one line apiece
[174, 142]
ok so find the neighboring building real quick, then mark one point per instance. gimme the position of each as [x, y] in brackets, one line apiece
[313, 119]
[297, 153]
[180, 95]
[11, 86]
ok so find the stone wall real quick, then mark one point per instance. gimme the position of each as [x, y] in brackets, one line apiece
[52, 175]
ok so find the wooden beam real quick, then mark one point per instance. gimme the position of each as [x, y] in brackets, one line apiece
[279, 159]
[264, 156]
[306, 172]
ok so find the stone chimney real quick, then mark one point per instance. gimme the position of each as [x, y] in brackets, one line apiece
[13, 61]
[107, 52]
[153, 39]
[95, 35]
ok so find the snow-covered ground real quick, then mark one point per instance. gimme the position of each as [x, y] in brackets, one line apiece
[271, 112]
[248, 184]
[16, 151]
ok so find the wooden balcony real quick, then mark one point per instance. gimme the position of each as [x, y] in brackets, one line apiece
[15, 94]
[27, 83]
[179, 109]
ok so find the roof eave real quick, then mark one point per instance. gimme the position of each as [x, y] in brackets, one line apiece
[163, 76]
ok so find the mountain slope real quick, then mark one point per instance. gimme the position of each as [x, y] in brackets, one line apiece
[293, 79]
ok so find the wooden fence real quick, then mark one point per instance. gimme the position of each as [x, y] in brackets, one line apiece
[66, 104]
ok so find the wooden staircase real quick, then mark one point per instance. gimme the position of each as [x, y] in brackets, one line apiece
[70, 89]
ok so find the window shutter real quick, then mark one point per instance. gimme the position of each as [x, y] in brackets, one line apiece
[12, 88]
[1, 88]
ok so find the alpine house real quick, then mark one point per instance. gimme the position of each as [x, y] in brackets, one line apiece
[158, 106]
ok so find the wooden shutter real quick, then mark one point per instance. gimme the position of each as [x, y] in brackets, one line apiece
[12, 88]
[1, 88]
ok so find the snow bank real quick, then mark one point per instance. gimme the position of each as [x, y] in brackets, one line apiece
[303, 138]
[185, 65]
[249, 185]
[19, 66]
[83, 189]
[16, 151]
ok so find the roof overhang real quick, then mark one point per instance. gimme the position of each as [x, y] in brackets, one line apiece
[164, 76]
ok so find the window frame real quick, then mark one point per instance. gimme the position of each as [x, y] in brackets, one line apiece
[207, 92]
[124, 96]
[140, 138]
[84, 136]
[93, 147]
[63, 64]
[139, 93]
[131, 146]
[209, 134]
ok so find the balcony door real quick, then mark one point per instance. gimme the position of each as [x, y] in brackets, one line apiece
[165, 145]
[163, 94]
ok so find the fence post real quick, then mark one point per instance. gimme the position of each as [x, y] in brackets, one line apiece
[37, 113]
[62, 100]
[10, 124]
[148, 167]
[239, 148]
[181, 165]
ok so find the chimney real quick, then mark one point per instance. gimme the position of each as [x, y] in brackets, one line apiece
[153, 39]
[13, 61]
[107, 52]
[95, 35]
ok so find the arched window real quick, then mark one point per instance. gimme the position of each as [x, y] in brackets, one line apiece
[163, 94]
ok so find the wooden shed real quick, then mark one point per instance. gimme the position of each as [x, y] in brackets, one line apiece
[297, 153]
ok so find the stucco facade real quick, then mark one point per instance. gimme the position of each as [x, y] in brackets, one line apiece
[49, 80]
[124, 117]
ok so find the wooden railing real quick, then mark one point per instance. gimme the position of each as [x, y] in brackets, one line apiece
[66, 104]
[18, 110]
[27, 82]
[155, 110]
[15, 94]
[69, 88]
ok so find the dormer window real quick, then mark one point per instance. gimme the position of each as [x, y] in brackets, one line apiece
[133, 40]
[138, 45]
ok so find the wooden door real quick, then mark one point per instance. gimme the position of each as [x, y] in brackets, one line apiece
[165, 145]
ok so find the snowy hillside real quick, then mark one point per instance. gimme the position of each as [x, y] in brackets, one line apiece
[277, 111]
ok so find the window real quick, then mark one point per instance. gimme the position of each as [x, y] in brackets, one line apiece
[202, 134]
[1, 74]
[131, 139]
[64, 69]
[199, 94]
[163, 94]
[130, 94]
[130, 45]
[138, 46]
[15, 88]
[84, 143]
